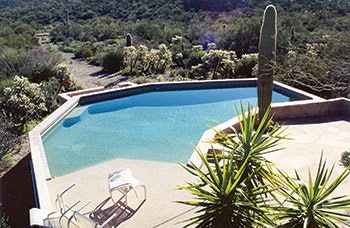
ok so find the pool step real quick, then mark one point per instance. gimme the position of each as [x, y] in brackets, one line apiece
[73, 118]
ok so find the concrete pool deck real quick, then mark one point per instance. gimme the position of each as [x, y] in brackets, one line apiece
[311, 137]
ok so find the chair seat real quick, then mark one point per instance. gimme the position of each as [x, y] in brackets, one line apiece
[123, 181]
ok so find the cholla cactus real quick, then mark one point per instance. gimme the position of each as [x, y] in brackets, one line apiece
[153, 60]
[220, 63]
[177, 40]
[267, 59]
[165, 59]
[143, 60]
[130, 57]
[24, 101]
[65, 79]
[197, 48]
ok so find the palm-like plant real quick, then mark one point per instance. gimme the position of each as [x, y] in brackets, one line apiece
[231, 191]
[254, 142]
[311, 204]
[221, 197]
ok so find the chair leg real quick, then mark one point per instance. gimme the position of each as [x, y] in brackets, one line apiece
[144, 190]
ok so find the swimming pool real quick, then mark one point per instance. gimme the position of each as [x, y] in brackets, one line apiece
[158, 126]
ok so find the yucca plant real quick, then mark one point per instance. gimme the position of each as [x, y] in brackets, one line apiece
[231, 191]
[221, 197]
[253, 141]
[312, 204]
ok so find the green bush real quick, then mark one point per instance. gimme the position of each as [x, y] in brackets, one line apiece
[113, 60]
[4, 222]
[345, 158]
[9, 143]
[244, 66]
[83, 52]
[193, 58]
[139, 80]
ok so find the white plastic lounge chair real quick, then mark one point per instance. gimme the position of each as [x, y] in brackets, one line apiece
[81, 220]
[123, 181]
[45, 218]
[65, 209]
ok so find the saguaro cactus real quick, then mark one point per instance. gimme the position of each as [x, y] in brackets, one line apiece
[128, 40]
[267, 59]
[292, 34]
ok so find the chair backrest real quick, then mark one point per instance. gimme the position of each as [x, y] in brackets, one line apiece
[60, 204]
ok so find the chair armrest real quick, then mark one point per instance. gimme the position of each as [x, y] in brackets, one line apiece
[68, 213]
[82, 207]
[67, 189]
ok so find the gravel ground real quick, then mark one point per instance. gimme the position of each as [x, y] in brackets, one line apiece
[87, 75]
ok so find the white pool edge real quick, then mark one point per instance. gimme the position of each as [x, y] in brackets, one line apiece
[40, 167]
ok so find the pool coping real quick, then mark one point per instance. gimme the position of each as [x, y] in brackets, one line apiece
[40, 168]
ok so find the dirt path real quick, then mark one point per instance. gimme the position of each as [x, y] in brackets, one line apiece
[86, 75]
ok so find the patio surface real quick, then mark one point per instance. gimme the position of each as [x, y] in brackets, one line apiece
[312, 136]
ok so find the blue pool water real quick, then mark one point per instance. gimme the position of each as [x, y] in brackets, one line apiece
[157, 126]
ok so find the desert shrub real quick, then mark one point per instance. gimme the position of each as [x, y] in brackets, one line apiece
[160, 59]
[146, 30]
[130, 59]
[4, 222]
[83, 52]
[179, 73]
[61, 82]
[10, 59]
[23, 101]
[9, 142]
[345, 158]
[70, 46]
[112, 60]
[35, 63]
[243, 37]
[193, 56]
[139, 80]
[244, 66]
